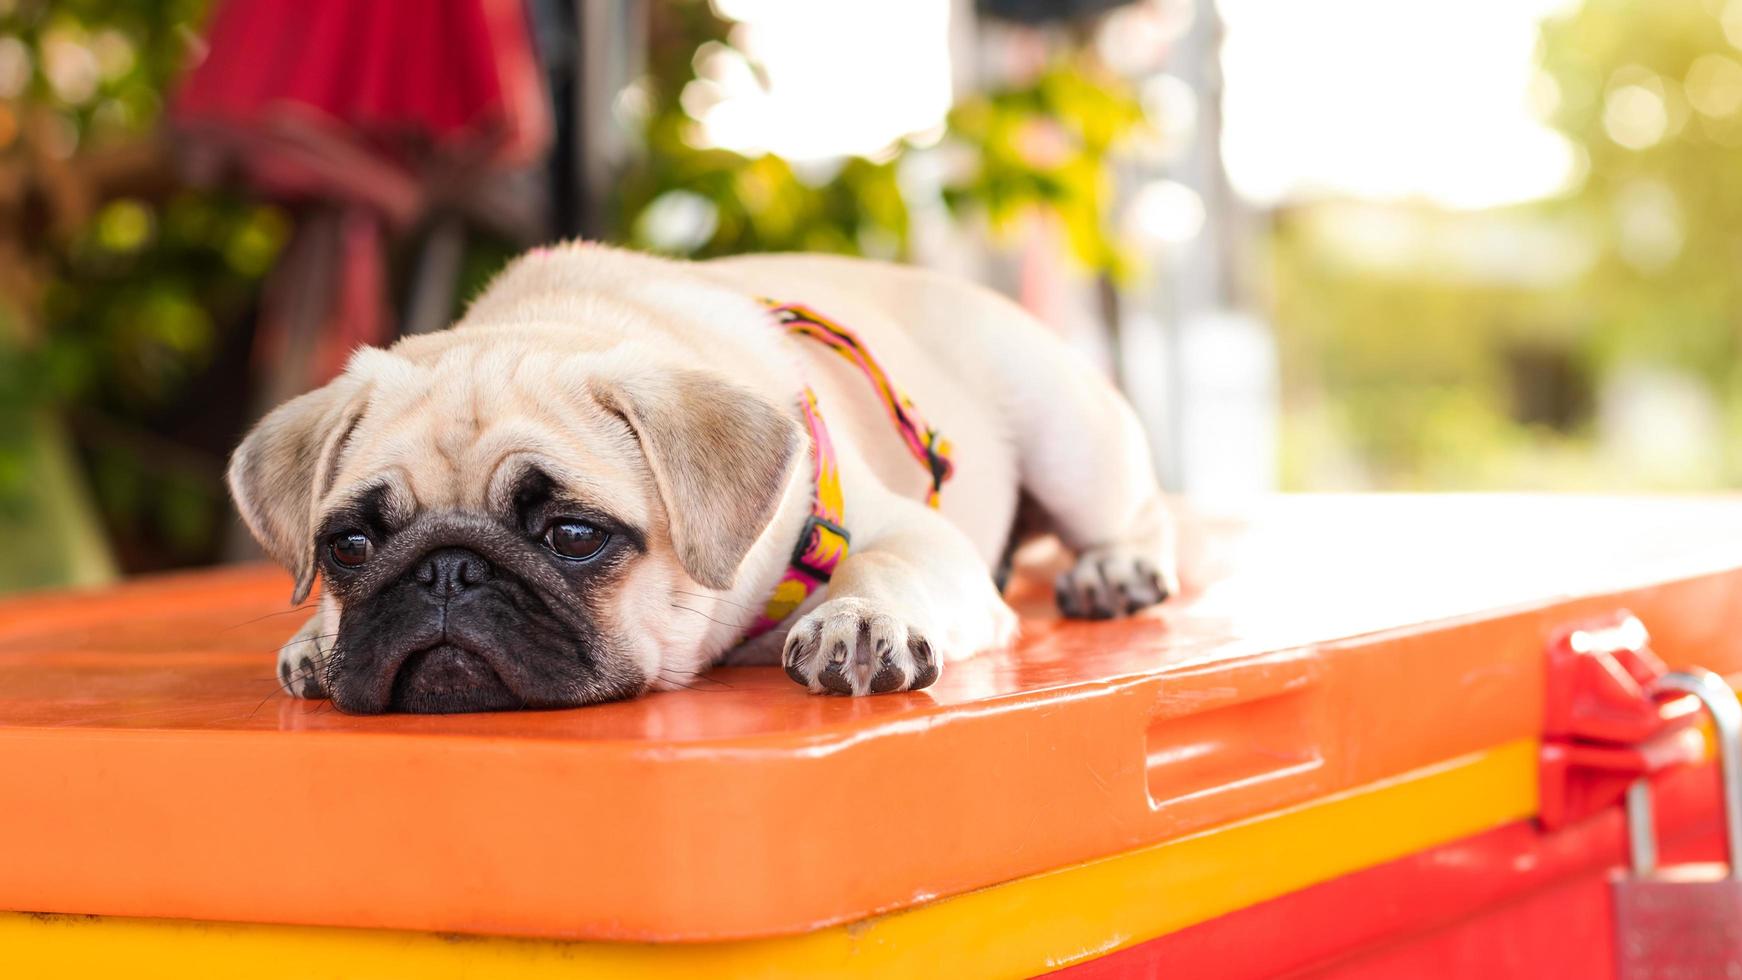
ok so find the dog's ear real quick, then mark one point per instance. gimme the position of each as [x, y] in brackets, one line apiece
[720, 455]
[283, 467]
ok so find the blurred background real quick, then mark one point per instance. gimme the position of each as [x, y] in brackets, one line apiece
[1345, 244]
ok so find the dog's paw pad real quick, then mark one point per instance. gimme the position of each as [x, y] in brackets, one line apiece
[302, 664]
[845, 646]
[1111, 582]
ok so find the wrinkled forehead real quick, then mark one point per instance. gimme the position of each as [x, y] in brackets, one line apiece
[466, 434]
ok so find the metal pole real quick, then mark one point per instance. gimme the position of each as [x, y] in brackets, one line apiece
[612, 53]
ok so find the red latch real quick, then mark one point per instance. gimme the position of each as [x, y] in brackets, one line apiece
[1601, 730]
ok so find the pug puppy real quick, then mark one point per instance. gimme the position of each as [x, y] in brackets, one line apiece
[590, 486]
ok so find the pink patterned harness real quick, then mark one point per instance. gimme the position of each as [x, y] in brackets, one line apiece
[824, 541]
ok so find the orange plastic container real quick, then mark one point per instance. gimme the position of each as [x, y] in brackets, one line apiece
[1323, 644]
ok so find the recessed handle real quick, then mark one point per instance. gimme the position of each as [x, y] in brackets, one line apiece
[1252, 729]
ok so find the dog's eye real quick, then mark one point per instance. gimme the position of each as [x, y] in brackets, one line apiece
[351, 548]
[574, 540]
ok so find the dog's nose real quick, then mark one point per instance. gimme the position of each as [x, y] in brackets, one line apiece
[450, 571]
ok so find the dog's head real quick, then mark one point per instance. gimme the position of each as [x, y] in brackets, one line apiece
[503, 523]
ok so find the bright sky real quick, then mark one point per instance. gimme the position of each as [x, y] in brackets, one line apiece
[844, 76]
[1373, 99]
[1386, 99]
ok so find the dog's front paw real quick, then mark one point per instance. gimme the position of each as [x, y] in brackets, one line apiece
[1114, 581]
[848, 646]
[302, 661]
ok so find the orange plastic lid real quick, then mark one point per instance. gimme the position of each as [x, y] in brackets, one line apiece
[1323, 643]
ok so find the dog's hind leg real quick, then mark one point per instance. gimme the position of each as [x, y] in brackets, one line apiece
[1086, 464]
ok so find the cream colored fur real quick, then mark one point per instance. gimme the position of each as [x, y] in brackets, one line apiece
[529, 373]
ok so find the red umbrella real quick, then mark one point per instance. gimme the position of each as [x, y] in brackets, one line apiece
[362, 115]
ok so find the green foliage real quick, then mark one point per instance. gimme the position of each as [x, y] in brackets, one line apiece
[724, 202]
[1401, 370]
[120, 286]
[1425, 377]
[112, 60]
[1045, 146]
[759, 204]
[1668, 214]
[133, 318]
